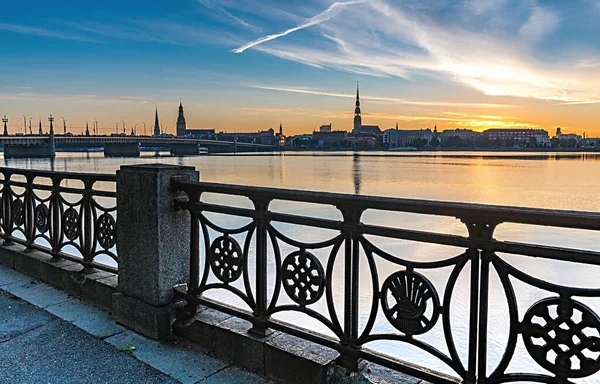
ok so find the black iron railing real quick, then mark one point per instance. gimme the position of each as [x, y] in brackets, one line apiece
[555, 331]
[64, 214]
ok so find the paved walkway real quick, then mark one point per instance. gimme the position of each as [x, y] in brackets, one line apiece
[48, 337]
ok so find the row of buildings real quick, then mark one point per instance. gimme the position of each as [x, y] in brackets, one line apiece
[268, 137]
[371, 136]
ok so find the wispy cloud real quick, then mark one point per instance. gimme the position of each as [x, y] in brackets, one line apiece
[541, 22]
[327, 14]
[386, 100]
[35, 31]
[85, 98]
[409, 39]
[213, 6]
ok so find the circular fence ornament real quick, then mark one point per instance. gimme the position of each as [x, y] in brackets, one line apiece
[225, 258]
[303, 277]
[70, 223]
[41, 218]
[405, 300]
[563, 336]
[106, 229]
[18, 212]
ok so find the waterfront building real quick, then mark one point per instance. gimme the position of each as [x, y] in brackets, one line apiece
[280, 137]
[261, 137]
[542, 140]
[325, 128]
[359, 128]
[465, 135]
[395, 137]
[515, 135]
[331, 139]
[567, 136]
[200, 133]
[181, 125]
[300, 141]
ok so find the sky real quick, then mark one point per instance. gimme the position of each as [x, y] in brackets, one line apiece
[247, 65]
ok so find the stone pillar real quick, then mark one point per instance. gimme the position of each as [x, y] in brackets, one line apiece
[153, 246]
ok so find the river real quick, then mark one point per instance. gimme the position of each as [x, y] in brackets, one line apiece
[567, 181]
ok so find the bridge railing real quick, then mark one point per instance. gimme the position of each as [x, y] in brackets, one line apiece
[361, 293]
[70, 216]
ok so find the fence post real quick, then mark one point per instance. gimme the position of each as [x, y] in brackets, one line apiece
[153, 244]
[261, 205]
[350, 350]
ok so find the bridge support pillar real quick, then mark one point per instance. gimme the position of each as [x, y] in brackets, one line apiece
[26, 150]
[190, 149]
[122, 150]
[153, 246]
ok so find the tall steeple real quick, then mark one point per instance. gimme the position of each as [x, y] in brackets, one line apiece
[280, 129]
[41, 132]
[156, 124]
[396, 125]
[357, 115]
[181, 126]
[87, 129]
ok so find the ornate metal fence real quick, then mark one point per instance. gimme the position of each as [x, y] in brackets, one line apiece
[559, 333]
[63, 214]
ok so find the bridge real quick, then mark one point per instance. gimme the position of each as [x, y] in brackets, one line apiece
[126, 146]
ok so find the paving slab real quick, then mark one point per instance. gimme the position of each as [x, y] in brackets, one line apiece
[10, 276]
[59, 352]
[18, 317]
[186, 363]
[235, 375]
[37, 293]
[83, 315]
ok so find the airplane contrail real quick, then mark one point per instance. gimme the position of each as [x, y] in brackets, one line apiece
[327, 14]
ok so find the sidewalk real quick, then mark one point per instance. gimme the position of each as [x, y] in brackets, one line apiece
[49, 337]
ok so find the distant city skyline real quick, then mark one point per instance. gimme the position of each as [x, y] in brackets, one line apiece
[241, 65]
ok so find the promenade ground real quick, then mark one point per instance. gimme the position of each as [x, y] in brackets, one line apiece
[49, 337]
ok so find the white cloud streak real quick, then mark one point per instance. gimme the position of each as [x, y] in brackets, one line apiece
[34, 31]
[211, 5]
[386, 100]
[327, 14]
[46, 97]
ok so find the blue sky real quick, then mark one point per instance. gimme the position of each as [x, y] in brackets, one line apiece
[247, 65]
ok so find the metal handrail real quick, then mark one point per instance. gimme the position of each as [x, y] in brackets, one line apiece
[410, 302]
[69, 223]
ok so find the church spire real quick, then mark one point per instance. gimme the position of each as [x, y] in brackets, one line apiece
[396, 125]
[357, 113]
[156, 124]
[87, 129]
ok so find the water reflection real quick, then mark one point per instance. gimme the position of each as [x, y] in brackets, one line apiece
[356, 173]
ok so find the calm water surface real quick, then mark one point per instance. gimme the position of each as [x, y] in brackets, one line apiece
[567, 181]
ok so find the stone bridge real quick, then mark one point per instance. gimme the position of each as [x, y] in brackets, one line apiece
[126, 146]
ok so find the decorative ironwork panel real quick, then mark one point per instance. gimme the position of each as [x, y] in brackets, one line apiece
[106, 229]
[303, 277]
[70, 222]
[41, 218]
[18, 212]
[558, 334]
[226, 258]
[405, 298]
